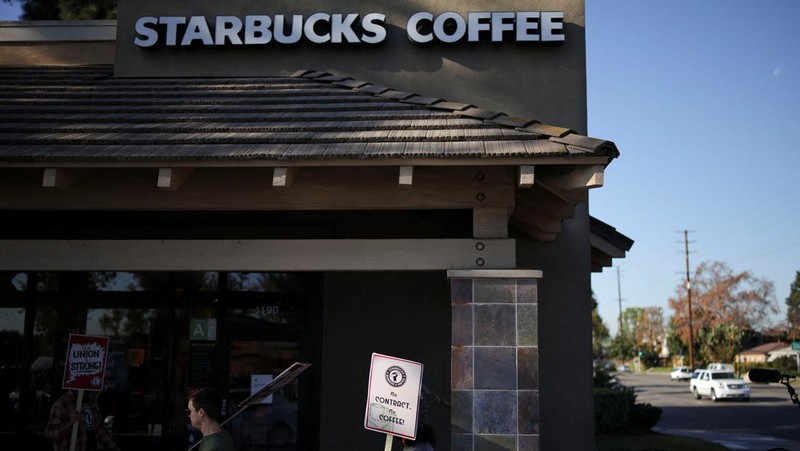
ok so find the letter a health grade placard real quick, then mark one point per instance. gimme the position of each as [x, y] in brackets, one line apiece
[85, 368]
[393, 396]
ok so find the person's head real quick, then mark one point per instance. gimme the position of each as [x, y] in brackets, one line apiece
[204, 407]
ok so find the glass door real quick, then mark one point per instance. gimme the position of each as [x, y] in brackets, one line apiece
[273, 424]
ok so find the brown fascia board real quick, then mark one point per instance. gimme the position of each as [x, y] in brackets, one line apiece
[610, 234]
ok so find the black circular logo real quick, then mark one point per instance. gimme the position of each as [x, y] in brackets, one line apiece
[395, 376]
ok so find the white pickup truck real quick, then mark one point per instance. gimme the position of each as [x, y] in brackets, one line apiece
[719, 384]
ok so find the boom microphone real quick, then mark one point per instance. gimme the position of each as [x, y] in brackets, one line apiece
[763, 375]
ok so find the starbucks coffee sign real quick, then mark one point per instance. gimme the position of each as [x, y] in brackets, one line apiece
[323, 28]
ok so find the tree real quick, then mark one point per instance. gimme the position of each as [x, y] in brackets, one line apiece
[67, 9]
[725, 306]
[793, 308]
[642, 332]
[599, 331]
[648, 333]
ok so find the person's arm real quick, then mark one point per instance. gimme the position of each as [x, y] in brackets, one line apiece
[105, 440]
[59, 425]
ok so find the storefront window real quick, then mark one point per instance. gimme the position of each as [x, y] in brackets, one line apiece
[272, 425]
[170, 332]
[13, 281]
[12, 322]
[266, 282]
[135, 369]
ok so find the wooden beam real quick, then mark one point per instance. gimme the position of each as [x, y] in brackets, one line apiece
[536, 218]
[406, 176]
[571, 196]
[256, 255]
[62, 178]
[526, 176]
[284, 177]
[544, 200]
[490, 223]
[582, 177]
[170, 179]
[248, 189]
[533, 232]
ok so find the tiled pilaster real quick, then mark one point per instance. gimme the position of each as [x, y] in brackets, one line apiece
[494, 360]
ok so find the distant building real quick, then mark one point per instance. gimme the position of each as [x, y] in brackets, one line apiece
[761, 353]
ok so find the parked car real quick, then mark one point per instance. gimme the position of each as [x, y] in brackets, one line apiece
[680, 373]
[719, 384]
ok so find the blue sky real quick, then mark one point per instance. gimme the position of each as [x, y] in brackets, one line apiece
[9, 11]
[703, 101]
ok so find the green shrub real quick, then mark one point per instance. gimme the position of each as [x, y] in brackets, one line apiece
[643, 417]
[612, 409]
[616, 411]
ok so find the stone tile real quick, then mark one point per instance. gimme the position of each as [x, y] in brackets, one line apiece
[528, 443]
[461, 291]
[495, 411]
[461, 330]
[461, 442]
[528, 325]
[498, 291]
[495, 325]
[527, 291]
[496, 368]
[528, 368]
[461, 364]
[528, 412]
[461, 412]
[495, 443]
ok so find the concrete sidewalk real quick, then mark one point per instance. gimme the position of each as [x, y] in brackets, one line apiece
[734, 441]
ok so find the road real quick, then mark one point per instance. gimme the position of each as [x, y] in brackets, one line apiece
[769, 420]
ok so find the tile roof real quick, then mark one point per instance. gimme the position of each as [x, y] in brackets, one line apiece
[84, 114]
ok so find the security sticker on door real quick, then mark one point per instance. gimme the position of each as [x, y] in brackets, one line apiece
[393, 396]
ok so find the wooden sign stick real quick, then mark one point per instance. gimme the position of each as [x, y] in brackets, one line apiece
[78, 405]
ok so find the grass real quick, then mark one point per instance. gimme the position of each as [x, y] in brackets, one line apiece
[654, 442]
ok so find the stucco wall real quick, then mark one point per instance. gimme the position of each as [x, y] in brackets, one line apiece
[565, 328]
[546, 82]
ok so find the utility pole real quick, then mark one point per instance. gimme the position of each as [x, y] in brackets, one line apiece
[619, 298]
[689, 297]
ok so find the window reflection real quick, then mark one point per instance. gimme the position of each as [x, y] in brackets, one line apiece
[12, 321]
[135, 369]
[268, 282]
[13, 281]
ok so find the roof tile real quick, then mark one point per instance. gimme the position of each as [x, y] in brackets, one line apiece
[57, 114]
[480, 113]
[549, 130]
